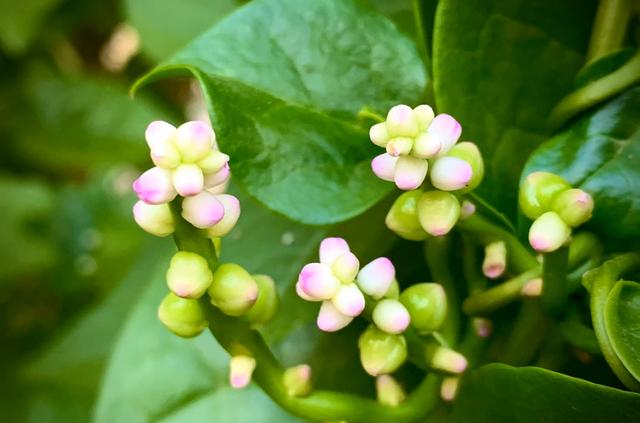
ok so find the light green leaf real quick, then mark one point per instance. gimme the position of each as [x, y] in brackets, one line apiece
[622, 319]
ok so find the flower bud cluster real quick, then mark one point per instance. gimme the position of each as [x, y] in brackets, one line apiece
[416, 140]
[189, 164]
[555, 207]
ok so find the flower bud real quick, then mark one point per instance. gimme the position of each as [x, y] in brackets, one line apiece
[537, 192]
[378, 134]
[548, 233]
[391, 316]
[331, 248]
[241, 369]
[424, 114]
[376, 277]
[349, 300]
[426, 146]
[345, 267]
[532, 288]
[495, 259]
[231, 207]
[318, 281]
[467, 209]
[213, 162]
[267, 303]
[380, 352]
[330, 319]
[403, 217]
[401, 122]
[188, 180]
[400, 146]
[449, 388]
[182, 316]
[202, 210]
[427, 306]
[233, 290]
[482, 327]
[469, 152]
[389, 391]
[155, 186]
[189, 275]
[302, 294]
[438, 212]
[160, 137]
[410, 172]
[451, 173]
[574, 206]
[212, 180]
[297, 380]
[155, 219]
[384, 166]
[447, 130]
[194, 140]
[445, 359]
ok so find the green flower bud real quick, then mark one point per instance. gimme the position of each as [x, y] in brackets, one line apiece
[380, 352]
[427, 306]
[233, 290]
[469, 152]
[389, 391]
[267, 303]
[188, 275]
[182, 316]
[445, 359]
[403, 217]
[438, 212]
[548, 233]
[574, 206]
[449, 388]
[297, 380]
[538, 191]
[241, 369]
[495, 259]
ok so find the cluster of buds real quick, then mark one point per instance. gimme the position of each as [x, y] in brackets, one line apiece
[555, 207]
[415, 141]
[187, 163]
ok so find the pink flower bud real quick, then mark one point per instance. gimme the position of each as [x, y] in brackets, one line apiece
[426, 146]
[447, 360]
[384, 166]
[449, 388]
[231, 207]
[424, 114]
[532, 288]
[330, 319]
[155, 186]
[202, 210]
[447, 129]
[318, 282]
[188, 180]
[391, 316]
[302, 294]
[401, 122]
[345, 267]
[241, 369]
[400, 146]
[376, 278]
[483, 327]
[331, 248]
[213, 162]
[217, 178]
[297, 380]
[155, 219]
[548, 233]
[378, 134]
[410, 172]
[495, 259]
[389, 391]
[450, 173]
[467, 209]
[194, 140]
[160, 138]
[349, 300]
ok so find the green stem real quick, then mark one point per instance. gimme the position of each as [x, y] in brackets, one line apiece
[476, 281]
[367, 113]
[609, 28]
[527, 333]
[554, 281]
[500, 216]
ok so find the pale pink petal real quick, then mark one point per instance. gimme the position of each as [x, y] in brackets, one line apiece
[188, 180]
[384, 166]
[331, 248]
[401, 122]
[202, 210]
[349, 300]
[378, 134]
[220, 177]
[159, 134]
[447, 129]
[155, 186]
[450, 173]
[302, 294]
[410, 172]
[376, 277]
[330, 319]
[318, 282]
[391, 316]
[346, 267]
[231, 215]
[194, 140]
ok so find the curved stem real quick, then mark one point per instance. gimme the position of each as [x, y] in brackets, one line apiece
[500, 216]
[555, 291]
[609, 28]
[527, 333]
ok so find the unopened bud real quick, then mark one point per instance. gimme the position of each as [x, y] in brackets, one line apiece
[349, 300]
[537, 192]
[391, 316]
[445, 359]
[378, 134]
[469, 152]
[401, 122]
[189, 275]
[449, 388]
[380, 352]
[410, 172]
[345, 267]
[331, 248]
[318, 281]
[427, 306]
[376, 277]
[233, 290]
[403, 217]
[400, 146]
[495, 259]
[548, 233]
[451, 173]
[231, 207]
[266, 305]
[194, 140]
[424, 114]
[188, 179]
[215, 179]
[160, 137]
[330, 319]
[447, 129]
[482, 327]
[241, 369]
[182, 316]
[213, 162]
[467, 209]
[297, 380]
[438, 212]
[155, 186]
[384, 166]
[389, 391]
[532, 288]
[155, 219]
[426, 146]
[202, 210]
[574, 206]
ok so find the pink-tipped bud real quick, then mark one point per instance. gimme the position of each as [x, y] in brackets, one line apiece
[345, 267]
[447, 129]
[380, 352]
[194, 140]
[548, 233]
[389, 392]
[155, 219]
[302, 294]
[532, 288]
[233, 290]
[495, 259]
[241, 369]
[467, 209]
[378, 134]
[450, 173]
[155, 186]
[331, 248]
[330, 319]
[384, 166]
[318, 281]
[202, 210]
[426, 146]
[410, 172]
[189, 275]
[212, 180]
[213, 162]
[376, 278]
[297, 380]
[446, 360]
[160, 137]
[574, 206]
[231, 207]
[188, 180]
[438, 212]
[349, 300]
[400, 146]
[391, 316]
[482, 327]
[424, 114]
[401, 122]
[449, 388]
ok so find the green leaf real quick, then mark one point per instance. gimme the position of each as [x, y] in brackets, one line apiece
[598, 154]
[21, 21]
[622, 319]
[499, 393]
[499, 68]
[278, 94]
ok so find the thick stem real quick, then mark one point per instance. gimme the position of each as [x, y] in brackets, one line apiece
[555, 291]
[609, 28]
[527, 333]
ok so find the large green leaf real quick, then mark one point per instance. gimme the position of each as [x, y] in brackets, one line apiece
[599, 153]
[499, 393]
[499, 68]
[279, 77]
[622, 319]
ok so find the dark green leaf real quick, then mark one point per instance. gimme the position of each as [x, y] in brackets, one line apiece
[622, 319]
[20, 22]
